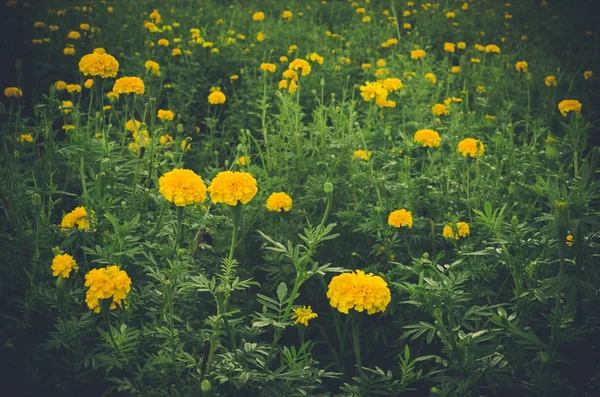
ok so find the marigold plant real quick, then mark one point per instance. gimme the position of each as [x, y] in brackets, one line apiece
[232, 187]
[182, 187]
[358, 291]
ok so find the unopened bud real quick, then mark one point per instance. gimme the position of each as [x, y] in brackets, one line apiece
[514, 221]
[36, 199]
[180, 128]
[206, 388]
[328, 187]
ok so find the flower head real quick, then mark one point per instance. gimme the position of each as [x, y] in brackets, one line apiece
[417, 54]
[231, 187]
[461, 229]
[431, 77]
[216, 97]
[129, 85]
[105, 283]
[492, 48]
[62, 265]
[428, 138]
[362, 154]
[165, 114]
[258, 16]
[449, 47]
[588, 74]
[286, 15]
[569, 105]
[358, 291]
[521, 66]
[550, 81]
[470, 146]
[439, 109]
[400, 218]
[278, 202]
[182, 187]
[101, 65]
[303, 314]
[268, 67]
[77, 219]
[13, 92]
[300, 64]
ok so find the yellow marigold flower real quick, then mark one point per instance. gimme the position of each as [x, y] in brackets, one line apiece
[105, 283]
[362, 154]
[182, 187]
[25, 138]
[461, 45]
[550, 81]
[440, 110]
[13, 92]
[258, 16]
[39, 25]
[360, 10]
[186, 144]
[53, 28]
[37, 41]
[493, 48]
[286, 15]
[141, 138]
[465, 6]
[400, 218]
[234, 77]
[470, 146]
[283, 84]
[84, 26]
[449, 47]
[366, 66]
[165, 114]
[428, 138]
[475, 60]
[62, 265]
[588, 74]
[74, 35]
[283, 58]
[358, 291]
[110, 10]
[101, 65]
[77, 219]
[73, 88]
[521, 66]
[243, 161]
[176, 52]
[129, 85]
[373, 90]
[300, 64]
[303, 314]
[166, 140]
[68, 127]
[314, 57]
[99, 50]
[455, 69]
[406, 14]
[391, 84]
[163, 42]
[480, 48]
[152, 66]
[461, 230]
[231, 187]
[431, 77]
[417, 54]
[260, 36]
[89, 83]
[216, 97]
[134, 125]
[366, 19]
[407, 26]
[155, 16]
[569, 105]
[381, 63]
[66, 107]
[107, 108]
[268, 67]
[570, 240]
[293, 87]
[450, 15]
[278, 202]
[489, 117]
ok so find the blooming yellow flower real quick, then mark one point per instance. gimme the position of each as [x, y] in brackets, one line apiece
[216, 97]
[449, 47]
[84, 26]
[258, 16]
[186, 144]
[569, 105]
[105, 283]
[475, 60]
[13, 92]
[391, 84]
[243, 161]
[283, 84]
[300, 64]
[588, 74]
[73, 88]
[286, 15]
[428, 138]
[141, 138]
[431, 77]
[279, 201]
[62, 265]
[362, 154]
[155, 16]
[360, 10]
[74, 35]
[358, 291]
[268, 67]
[39, 25]
[68, 127]
[260, 36]
[366, 19]
[407, 25]
[461, 45]
[152, 66]
[450, 15]
[462, 230]
[53, 28]
[439, 109]
[163, 42]
[400, 218]
[25, 138]
[470, 146]
[77, 219]
[66, 107]
[89, 83]
[366, 66]
[231, 187]
[417, 54]
[283, 58]
[182, 187]
[166, 140]
[493, 48]
[522, 66]
[176, 52]
[303, 314]
[165, 114]
[550, 81]
[455, 69]
[479, 47]
[314, 57]
[373, 90]
[129, 85]
[570, 240]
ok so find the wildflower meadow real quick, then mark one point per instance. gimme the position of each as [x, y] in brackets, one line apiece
[300, 198]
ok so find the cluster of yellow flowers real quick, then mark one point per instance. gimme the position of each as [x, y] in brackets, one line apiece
[182, 187]
[106, 283]
[379, 91]
[279, 201]
[461, 229]
[77, 219]
[358, 291]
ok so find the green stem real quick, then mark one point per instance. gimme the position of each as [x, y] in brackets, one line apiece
[179, 238]
[356, 340]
